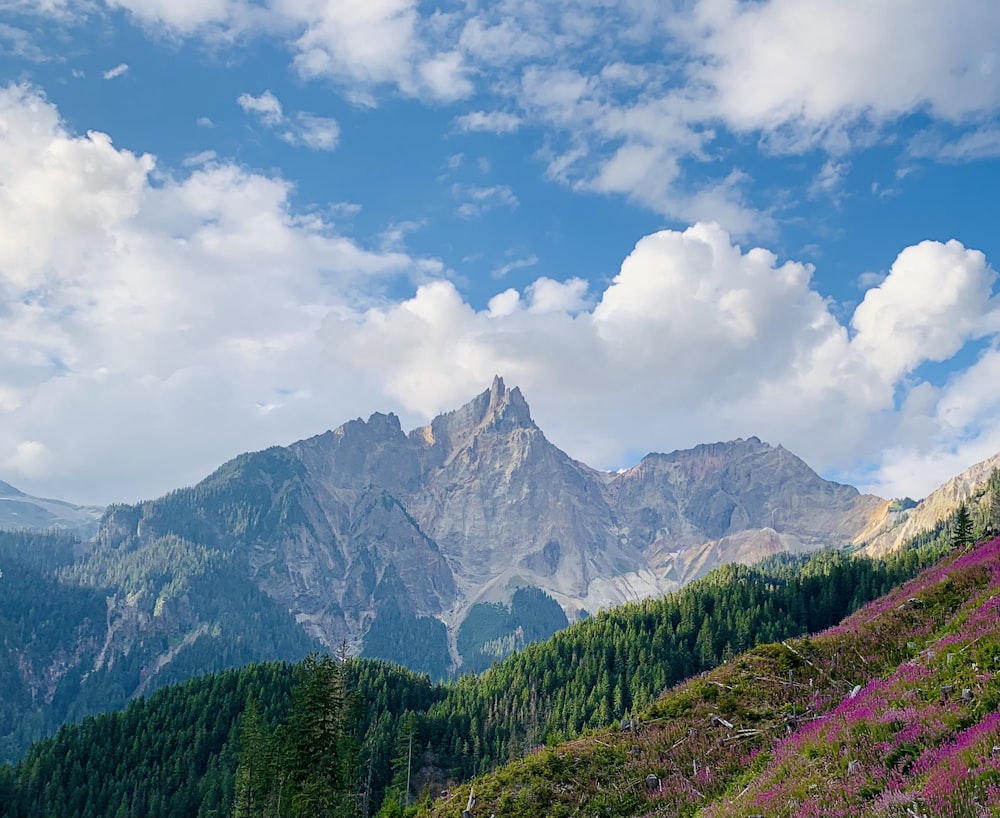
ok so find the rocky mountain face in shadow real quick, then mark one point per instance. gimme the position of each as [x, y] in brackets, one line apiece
[463, 511]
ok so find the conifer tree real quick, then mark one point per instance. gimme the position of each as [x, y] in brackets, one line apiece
[962, 533]
[993, 503]
[255, 772]
[320, 752]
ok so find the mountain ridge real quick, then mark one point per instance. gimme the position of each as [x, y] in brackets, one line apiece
[479, 502]
[20, 510]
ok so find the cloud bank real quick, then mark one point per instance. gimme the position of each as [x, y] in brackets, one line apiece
[154, 323]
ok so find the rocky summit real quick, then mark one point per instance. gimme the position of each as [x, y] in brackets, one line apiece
[367, 520]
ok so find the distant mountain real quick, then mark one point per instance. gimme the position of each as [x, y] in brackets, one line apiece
[71, 646]
[368, 529]
[22, 511]
[899, 526]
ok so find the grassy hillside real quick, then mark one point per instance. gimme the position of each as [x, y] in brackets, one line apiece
[894, 712]
[174, 754]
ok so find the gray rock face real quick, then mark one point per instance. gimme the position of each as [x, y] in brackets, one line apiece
[894, 529]
[691, 510]
[477, 503]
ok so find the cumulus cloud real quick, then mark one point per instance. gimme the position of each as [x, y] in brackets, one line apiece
[128, 366]
[695, 339]
[126, 355]
[805, 69]
[935, 299]
[365, 46]
[302, 128]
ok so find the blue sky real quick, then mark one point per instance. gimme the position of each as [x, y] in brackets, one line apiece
[229, 224]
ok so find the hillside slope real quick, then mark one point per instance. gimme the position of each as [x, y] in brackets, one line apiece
[892, 713]
[176, 748]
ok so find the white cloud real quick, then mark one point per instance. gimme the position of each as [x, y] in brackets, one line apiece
[302, 128]
[444, 75]
[17, 42]
[319, 133]
[55, 8]
[215, 18]
[935, 299]
[477, 199]
[830, 179]
[505, 303]
[118, 71]
[118, 310]
[29, 458]
[809, 68]
[499, 122]
[127, 354]
[361, 45]
[546, 295]
[200, 158]
[982, 143]
[266, 107]
[515, 264]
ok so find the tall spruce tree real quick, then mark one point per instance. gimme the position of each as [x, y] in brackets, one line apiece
[321, 753]
[257, 776]
[993, 503]
[962, 532]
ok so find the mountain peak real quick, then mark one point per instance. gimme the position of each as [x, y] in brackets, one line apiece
[507, 404]
[496, 409]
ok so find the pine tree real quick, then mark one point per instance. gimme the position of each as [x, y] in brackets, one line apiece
[320, 751]
[255, 773]
[993, 509]
[962, 533]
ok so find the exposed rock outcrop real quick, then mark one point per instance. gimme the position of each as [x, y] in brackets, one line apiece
[896, 528]
[479, 502]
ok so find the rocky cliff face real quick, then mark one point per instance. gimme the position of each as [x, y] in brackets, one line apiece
[479, 502]
[732, 502]
[894, 529]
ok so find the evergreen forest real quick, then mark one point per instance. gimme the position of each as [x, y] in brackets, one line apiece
[360, 737]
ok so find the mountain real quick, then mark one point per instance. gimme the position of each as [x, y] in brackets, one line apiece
[22, 511]
[367, 524]
[971, 487]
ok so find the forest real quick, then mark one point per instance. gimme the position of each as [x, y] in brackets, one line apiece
[233, 743]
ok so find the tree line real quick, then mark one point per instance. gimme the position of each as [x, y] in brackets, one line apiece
[359, 737]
